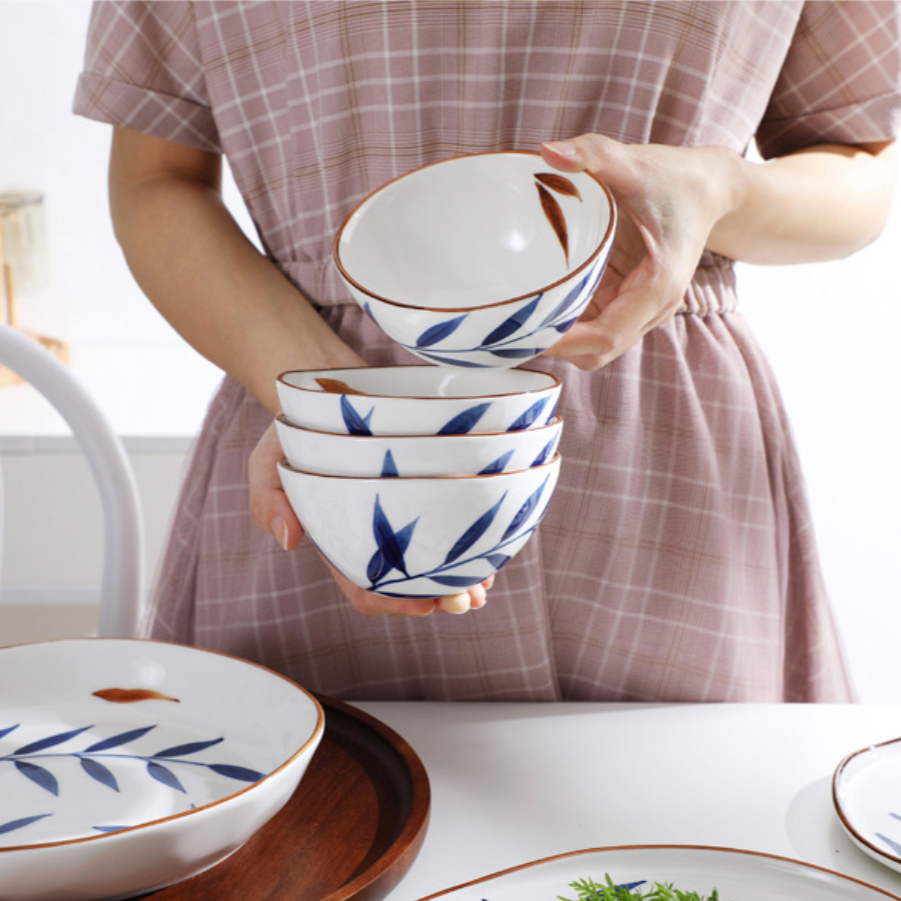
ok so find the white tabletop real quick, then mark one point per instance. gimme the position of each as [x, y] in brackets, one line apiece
[512, 783]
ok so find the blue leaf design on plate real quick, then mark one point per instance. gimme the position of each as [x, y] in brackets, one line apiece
[439, 332]
[474, 532]
[50, 741]
[497, 465]
[187, 749]
[890, 842]
[353, 422]
[39, 776]
[4, 732]
[498, 561]
[464, 422]
[165, 776]
[524, 511]
[517, 353]
[573, 298]
[115, 741]
[108, 828]
[389, 467]
[243, 773]
[457, 581]
[12, 825]
[451, 361]
[377, 567]
[512, 323]
[98, 771]
[386, 539]
[543, 456]
[530, 416]
[562, 327]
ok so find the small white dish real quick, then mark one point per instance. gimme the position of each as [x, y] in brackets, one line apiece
[129, 765]
[866, 792]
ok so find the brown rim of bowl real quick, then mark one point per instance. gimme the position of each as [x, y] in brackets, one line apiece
[555, 422]
[555, 382]
[556, 459]
[316, 735]
[608, 236]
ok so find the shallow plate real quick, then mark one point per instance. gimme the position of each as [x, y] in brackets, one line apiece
[737, 875]
[351, 831]
[866, 791]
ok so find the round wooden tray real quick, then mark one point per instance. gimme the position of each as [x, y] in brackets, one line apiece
[351, 830]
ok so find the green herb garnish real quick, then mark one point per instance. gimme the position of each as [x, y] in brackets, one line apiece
[589, 890]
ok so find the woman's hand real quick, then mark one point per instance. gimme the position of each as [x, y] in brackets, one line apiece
[668, 199]
[272, 513]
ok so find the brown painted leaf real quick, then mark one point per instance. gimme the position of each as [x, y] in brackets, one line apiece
[559, 183]
[130, 695]
[336, 386]
[555, 217]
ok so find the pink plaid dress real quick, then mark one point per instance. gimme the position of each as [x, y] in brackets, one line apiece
[676, 561]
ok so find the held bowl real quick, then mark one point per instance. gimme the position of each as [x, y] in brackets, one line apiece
[478, 261]
[417, 400]
[128, 765]
[420, 537]
[373, 456]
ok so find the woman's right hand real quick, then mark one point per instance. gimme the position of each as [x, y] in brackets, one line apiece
[272, 513]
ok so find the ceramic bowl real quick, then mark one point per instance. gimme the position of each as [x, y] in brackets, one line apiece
[480, 260]
[420, 537]
[128, 765]
[371, 456]
[417, 400]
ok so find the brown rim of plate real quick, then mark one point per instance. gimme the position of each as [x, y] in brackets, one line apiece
[608, 235]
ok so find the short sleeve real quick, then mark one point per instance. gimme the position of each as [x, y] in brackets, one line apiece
[143, 70]
[841, 79]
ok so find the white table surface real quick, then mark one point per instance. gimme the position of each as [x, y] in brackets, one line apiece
[512, 783]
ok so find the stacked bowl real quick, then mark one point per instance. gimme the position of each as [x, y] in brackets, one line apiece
[420, 481]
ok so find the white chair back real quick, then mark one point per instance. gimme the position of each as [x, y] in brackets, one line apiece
[121, 590]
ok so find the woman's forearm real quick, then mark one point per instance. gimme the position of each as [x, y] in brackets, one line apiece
[199, 269]
[821, 203]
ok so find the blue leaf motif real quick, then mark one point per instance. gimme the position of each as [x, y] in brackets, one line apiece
[529, 417]
[498, 561]
[386, 539]
[5, 732]
[108, 828]
[50, 741]
[116, 740]
[12, 825]
[376, 567]
[512, 323]
[242, 773]
[474, 532]
[99, 772]
[457, 581]
[439, 332]
[516, 353]
[497, 465]
[389, 467]
[573, 299]
[543, 456]
[39, 776]
[187, 749]
[353, 422]
[465, 421]
[524, 511]
[165, 776]
[566, 325]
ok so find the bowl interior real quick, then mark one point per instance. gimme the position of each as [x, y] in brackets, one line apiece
[473, 231]
[101, 735]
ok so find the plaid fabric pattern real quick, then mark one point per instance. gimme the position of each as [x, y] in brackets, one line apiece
[676, 561]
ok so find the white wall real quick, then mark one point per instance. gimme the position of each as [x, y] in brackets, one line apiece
[831, 330]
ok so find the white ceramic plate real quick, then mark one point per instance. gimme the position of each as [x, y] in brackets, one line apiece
[866, 791]
[128, 765]
[737, 875]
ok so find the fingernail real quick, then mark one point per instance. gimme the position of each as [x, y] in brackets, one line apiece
[564, 148]
[458, 603]
[279, 529]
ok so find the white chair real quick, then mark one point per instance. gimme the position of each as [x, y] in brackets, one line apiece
[121, 591]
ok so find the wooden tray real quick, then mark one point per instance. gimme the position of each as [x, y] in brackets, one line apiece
[351, 830]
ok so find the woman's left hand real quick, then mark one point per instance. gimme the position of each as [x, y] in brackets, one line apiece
[668, 199]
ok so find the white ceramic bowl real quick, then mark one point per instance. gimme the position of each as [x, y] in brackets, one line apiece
[418, 400]
[371, 456]
[129, 765]
[480, 260]
[420, 537]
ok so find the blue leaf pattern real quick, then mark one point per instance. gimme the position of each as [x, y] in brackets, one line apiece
[474, 532]
[99, 772]
[185, 750]
[242, 773]
[439, 332]
[457, 581]
[497, 465]
[525, 511]
[389, 467]
[511, 324]
[9, 729]
[529, 417]
[165, 776]
[21, 823]
[464, 422]
[353, 422]
[50, 741]
[544, 455]
[116, 740]
[387, 540]
[39, 776]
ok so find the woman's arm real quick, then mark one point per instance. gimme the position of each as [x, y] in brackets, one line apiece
[675, 202]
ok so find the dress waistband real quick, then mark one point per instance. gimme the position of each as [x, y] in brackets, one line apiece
[712, 290]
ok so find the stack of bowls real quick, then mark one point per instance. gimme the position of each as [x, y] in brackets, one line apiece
[420, 481]
[415, 481]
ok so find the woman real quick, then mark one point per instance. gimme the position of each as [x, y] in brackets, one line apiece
[676, 560]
